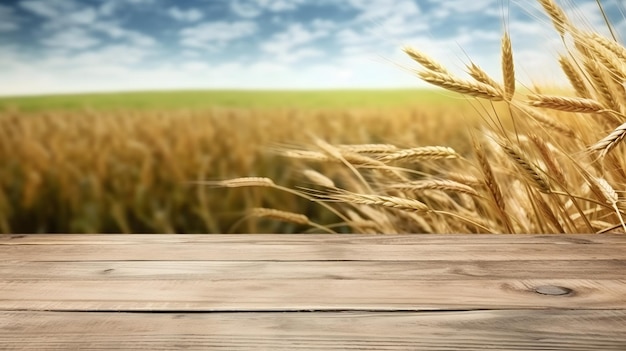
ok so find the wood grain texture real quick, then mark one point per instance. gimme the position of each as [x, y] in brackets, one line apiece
[257, 250]
[459, 330]
[332, 270]
[306, 294]
[317, 292]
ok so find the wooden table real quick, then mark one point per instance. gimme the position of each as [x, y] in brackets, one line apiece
[313, 292]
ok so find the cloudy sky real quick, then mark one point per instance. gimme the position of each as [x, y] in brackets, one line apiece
[56, 46]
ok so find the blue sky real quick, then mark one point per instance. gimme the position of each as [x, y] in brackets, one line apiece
[58, 46]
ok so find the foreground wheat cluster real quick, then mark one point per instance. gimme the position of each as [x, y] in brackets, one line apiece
[549, 164]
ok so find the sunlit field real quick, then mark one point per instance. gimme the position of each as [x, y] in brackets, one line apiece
[196, 100]
[540, 162]
[478, 153]
[130, 163]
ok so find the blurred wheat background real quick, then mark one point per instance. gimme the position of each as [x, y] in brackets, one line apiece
[132, 171]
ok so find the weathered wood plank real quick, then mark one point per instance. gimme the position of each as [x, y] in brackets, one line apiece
[472, 330]
[312, 251]
[510, 279]
[307, 294]
[282, 239]
[347, 270]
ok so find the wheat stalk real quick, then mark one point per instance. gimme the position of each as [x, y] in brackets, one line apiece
[318, 178]
[306, 155]
[558, 17]
[464, 179]
[492, 184]
[553, 165]
[465, 87]
[490, 179]
[369, 148]
[546, 120]
[611, 197]
[433, 184]
[547, 213]
[607, 58]
[616, 48]
[481, 76]
[421, 153]
[246, 181]
[533, 173]
[568, 104]
[424, 60]
[604, 91]
[342, 154]
[574, 77]
[508, 68]
[285, 216]
[609, 142]
[382, 200]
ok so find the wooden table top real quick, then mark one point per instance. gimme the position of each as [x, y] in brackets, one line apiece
[313, 292]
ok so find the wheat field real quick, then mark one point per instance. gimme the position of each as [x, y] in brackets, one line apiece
[518, 161]
[138, 170]
[539, 163]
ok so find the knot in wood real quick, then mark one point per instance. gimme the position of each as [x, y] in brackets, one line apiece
[553, 290]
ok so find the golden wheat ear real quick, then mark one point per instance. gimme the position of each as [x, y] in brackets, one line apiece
[424, 60]
[568, 104]
[611, 197]
[557, 15]
[508, 68]
[609, 142]
[465, 87]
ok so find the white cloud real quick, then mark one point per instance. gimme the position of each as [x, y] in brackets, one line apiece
[189, 15]
[245, 9]
[383, 20]
[96, 61]
[323, 24]
[214, 34]
[8, 21]
[60, 14]
[449, 8]
[196, 66]
[349, 36]
[9, 56]
[280, 5]
[119, 68]
[191, 54]
[366, 48]
[68, 24]
[110, 55]
[115, 31]
[48, 8]
[71, 38]
[299, 54]
[83, 16]
[377, 9]
[253, 8]
[470, 36]
[110, 7]
[108, 68]
[296, 34]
